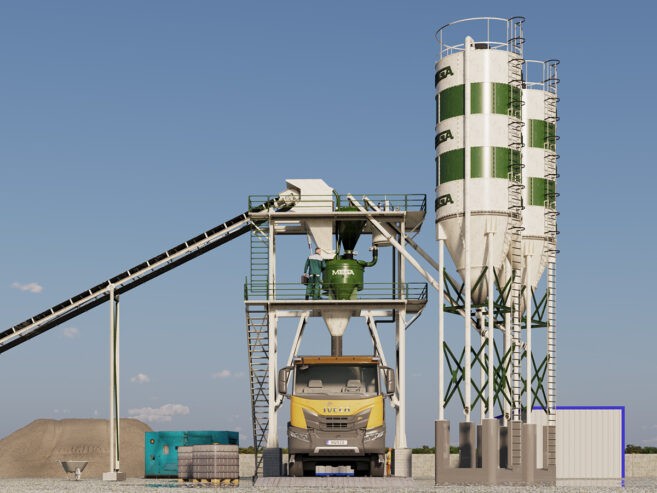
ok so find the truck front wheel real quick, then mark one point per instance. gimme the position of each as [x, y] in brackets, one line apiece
[296, 467]
[377, 468]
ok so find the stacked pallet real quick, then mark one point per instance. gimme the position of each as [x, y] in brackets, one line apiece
[185, 463]
[209, 463]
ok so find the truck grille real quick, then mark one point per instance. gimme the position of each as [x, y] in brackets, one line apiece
[336, 422]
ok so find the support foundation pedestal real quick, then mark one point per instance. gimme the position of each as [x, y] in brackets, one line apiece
[114, 476]
[403, 463]
[272, 462]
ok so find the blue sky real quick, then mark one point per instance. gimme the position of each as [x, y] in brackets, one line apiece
[128, 127]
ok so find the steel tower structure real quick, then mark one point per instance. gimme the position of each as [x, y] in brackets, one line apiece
[316, 211]
[496, 214]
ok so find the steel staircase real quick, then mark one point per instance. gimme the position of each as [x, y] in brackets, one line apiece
[259, 251]
[257, 318]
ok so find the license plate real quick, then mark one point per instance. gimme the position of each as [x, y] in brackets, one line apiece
[336, 442]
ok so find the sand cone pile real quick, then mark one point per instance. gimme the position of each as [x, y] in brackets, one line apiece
[34, 451]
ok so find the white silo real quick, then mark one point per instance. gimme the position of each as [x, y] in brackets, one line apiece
[539, 136]
[478, 142]
[478, 167]
[496, 213]
[539, 215]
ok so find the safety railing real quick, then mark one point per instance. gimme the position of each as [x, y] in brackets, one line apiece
[323, 203]
[411, 291]
[493, 33]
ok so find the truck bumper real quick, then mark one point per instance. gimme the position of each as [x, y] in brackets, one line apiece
[336, 443]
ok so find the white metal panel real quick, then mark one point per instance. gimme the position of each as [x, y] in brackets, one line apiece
[589, 442]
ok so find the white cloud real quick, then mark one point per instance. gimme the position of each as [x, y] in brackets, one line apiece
[162, 414]
[30, 287]
[227, 374]
[71, 332]
[140, 378]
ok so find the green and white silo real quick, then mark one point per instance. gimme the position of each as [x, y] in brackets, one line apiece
[539, 160]
[478, 145]
[478, 122]
[539, 215]
[496, 213]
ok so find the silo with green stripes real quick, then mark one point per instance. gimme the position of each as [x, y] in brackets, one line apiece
[539, 173]
[496, 214]
[478, 146]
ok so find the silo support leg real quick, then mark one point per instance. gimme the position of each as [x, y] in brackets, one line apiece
[442, 448]
[528, 453]
[467, 449]
[490, 449]
[272, 462]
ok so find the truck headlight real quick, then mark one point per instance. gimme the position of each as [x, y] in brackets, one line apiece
[299, 435]
[373, 435]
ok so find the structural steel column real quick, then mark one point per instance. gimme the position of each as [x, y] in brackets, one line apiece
[114, 473]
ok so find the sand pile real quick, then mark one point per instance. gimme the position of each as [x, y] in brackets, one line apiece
[33, 451]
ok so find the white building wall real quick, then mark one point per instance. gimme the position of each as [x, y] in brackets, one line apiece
[590, 442]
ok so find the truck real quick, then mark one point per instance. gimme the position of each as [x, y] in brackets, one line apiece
[337, 421]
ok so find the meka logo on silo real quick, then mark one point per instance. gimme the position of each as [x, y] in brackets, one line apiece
[443, 73]
[443, 200]
[444, 136]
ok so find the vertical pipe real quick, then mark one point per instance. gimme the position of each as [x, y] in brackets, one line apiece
[113, 381]
[491, 329]
[466, 229]
[509, 368]
[441, 326]
[400, 428]
[482, 371]
[112, 436]
[272, 427]
[271, 272]
[400, 431]
[117, 383]
[528, 327]
[402, 262]
[336, 345]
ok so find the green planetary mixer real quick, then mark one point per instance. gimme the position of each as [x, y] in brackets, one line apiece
[343, 275]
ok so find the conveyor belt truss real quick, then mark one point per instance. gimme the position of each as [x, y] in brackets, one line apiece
[130, 279]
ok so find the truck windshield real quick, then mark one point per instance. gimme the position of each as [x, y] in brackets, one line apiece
[336, 379]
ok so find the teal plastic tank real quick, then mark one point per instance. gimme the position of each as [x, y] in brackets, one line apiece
[161, 448]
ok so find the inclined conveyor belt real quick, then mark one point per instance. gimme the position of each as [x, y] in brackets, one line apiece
[129, 279]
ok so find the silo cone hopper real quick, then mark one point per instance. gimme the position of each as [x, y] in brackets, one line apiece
[349, 232]
[336, 321]
[489, 238]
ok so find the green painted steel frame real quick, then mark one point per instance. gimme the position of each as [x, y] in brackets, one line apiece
[502, 391]
[455, 303]
[456, 300]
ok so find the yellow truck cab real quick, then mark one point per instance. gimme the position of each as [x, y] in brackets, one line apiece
[337, 424]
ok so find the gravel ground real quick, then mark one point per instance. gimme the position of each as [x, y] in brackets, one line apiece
[422, 485]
